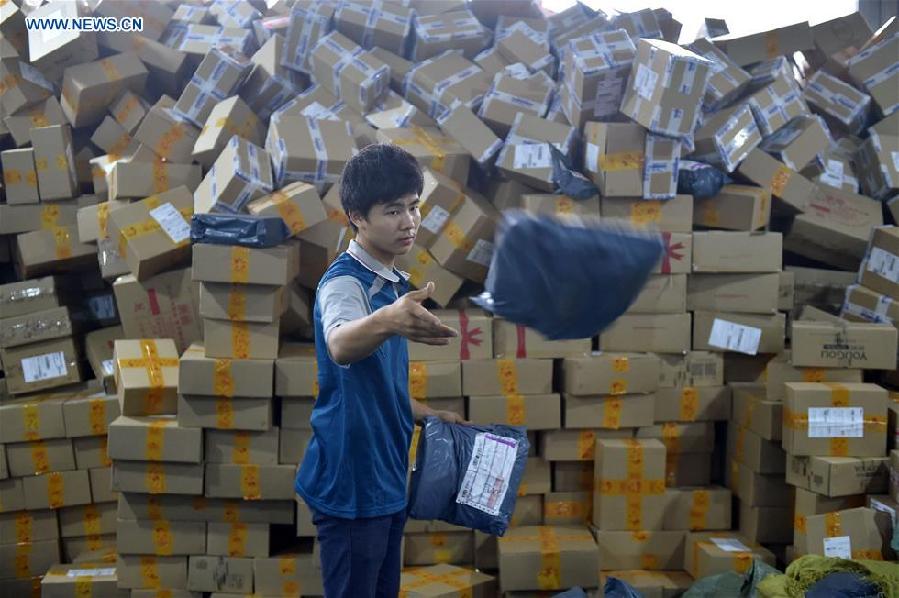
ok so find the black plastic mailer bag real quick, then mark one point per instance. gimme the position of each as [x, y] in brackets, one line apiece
[237, 229]
[566, 278]
[468, 475]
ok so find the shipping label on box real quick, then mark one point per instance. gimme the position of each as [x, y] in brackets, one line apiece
[695, 368]
[742, 333]
[881, 266]
[850, 534]
[41, 365]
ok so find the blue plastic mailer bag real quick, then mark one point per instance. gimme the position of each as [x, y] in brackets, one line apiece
[236, 229]
[565, 278]
[468, 475]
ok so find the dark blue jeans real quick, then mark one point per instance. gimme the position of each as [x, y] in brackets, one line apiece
[360, 557]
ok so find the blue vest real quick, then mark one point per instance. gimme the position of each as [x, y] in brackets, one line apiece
[356, 463]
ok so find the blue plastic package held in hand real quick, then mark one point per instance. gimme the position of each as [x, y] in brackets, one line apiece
[235, 229]
[566, 278]
[468, 475]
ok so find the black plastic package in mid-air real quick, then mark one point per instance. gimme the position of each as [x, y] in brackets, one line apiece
[700, 180]
[238, 229]
[468, 475]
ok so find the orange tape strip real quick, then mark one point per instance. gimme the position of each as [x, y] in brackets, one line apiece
[63, 240]
[516, 412]
[224, 413]
[611, 413]
[418, 380]
[240, 340]
[549, 576]
[240, 454]
[97, 416]
[699, 509]
[153, 363]
[154, 508]
[154, 479]
[646, 212]
[223, 379]
[23, 560]
[586, 443]
[232, 512]
[237, 304]
[49, 217]
[813, 375]
[288, 568]
[689, 404]
[24, 525]
[155, 441]
[162, 537]
[289, 212]
[39, 458]
[621, 161]
[237, 540]
[55, 490]
[31, 421]
[634, 487]
[780, 179]
[240, 264]
[249, 482]
[149, 572]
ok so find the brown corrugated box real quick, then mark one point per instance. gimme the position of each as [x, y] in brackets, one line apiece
[236, 539]
[645, 550]
[250, 482]
[672, 216]
[780, 370]
[704, 556]
[243, 413]
[12, 494]
[879, 268]
[608, 411]
[849, 534]
[46, 325]
[609, 373]
[799, 142]
[757, 453]
[727, 137]
[458, 30]
[239, 302]
[27, 559]
[42, 114]
[98, 348]
[201, 375]
[157, 477]
[513, 92]
[57, 489]
[296, 371]
[770, 525]
[568, 508]
[536, 412]
[746, 293]
[52, 250]
[87, 520]
[93, 220]
[131, 177]
[227, 264]
[346, 70]
[737, 252]
[819, 287]
[662, 293]
[677, 257]
[790, 187]
[844, 107]
[695, 368]
[163, 306]
[40, 456]
[509, 376]
[519, 556]
[42, 365]
[735, 332]
[757, 489]
[618, 464]
[89, 88]
[690, 404]
[90, 453]
[696, 509]
[423, 268]
[659, 333]
[170, 571]
[228, 118]
[511, 340]
[526, 156]
[192, 508]
[161, 537]
[240, 340]
[443, 581]
[290, 143]
[225, 446]
[37, 418]
[735, 207]
[29, 526]
[475, 340]
[844, 344]
[838, 476]
[423, 549]
[727, 80]
[54, 162]
[288, 574]
[864, 305]
[146, 376]
[613, 158]
[154, 439]
[292, 444]
[19, 176]
[297, 204]
[575, 445]
[220, 74]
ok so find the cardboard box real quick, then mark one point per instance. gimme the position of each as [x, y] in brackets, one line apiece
[735, 207]
[224, 413]
[154, 439]
[54, 162]
[34, 418]
[134, 178]
[671, 216]
[243, 303]
[93, 220]
[744, 333]
[660, 170]
[4, 470]
[667, 106]
[526, 155]
[513, 93]
[99, 352]
[260, 448]
[201, 375]
[423, 268]
[290, 144]
[727, 137]
[799, 142]
[708, 553]
[819, 287]
[168, 571]
[57, 489]
[847, 534]
[507, 376]
[202, 509]
[250, 482]
[843, 106]
[292, 444]
[595, 67]
[520, 561]
[296, 371]
[161, 537]
[29, 526]
[62, 581]
[40, 456]
[690, 404]
[52, 250]
[129, 109]
[41, 365]
[227, 264]
[218, 76]
[757, 489]
[475, 340]
[236, 539]
[875, 167]
[42, 114]
[836, 228]
[242, 172]
[433, 548]
[771, 525]
[662, 294]
[736, 252]
[298, 204]
[610, 374]
[568, 508]
[13, 495]
[18, 298]
[219, 574]
[838, 476]
[740, 293]
[855, 345]
[613, 158]
[652, 584]
[619, 465]
[90, 453]
[287, 574]
[575, 445]
[156, 477]
[87, 520]
[697, 509]
[512, 340]
[879, 273]
[441, 197]
[346, 70]
[608, 411]
[793, 190]
[146, 376]
[727, 79]
[536, 412]
[780, 370]
[646, 550]
[758, 454]
[695, 368]
[810, 427]
[27, 559]
[469, 131]
[240, 340]
[90, 87]
[39, 326]
[659, 333]
[459, 29]
[160, 307]
[228, 118]
[387, 29]
[677, 257]
[573, 476]
[20, 176]
[443, 580]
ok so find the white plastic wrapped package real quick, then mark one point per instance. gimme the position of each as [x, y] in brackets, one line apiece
[468, 475]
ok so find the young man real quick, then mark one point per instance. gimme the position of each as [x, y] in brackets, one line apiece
[353, 476]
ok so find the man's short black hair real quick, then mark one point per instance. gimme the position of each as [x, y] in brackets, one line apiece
[379, 174]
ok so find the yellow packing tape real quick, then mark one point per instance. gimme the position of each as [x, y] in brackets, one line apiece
[813, 375]
[240, 454]
[621, 161]
[689, 404]
[154, 508]
[160, 176]
[153, 364]
[634, 487]
[418, 380]
[586, 443]
[237, 304]
[611, 412]
[97, 416]
[49, 217]
[55, 490]
[63, 240]
[24, 526]
[39, 458]
[507, 372]
[232, 512]
[162, 537]
[23, 560]
[457, 237]
[149, 572]
[289, 212]
[168, 139]
[154, 478]
[240, 340]
[240, 264]
[31, 421]
[155, 441]
[549, 576]
[223, 379]
[121, 115]
[110, 70]
[224, 413]
[646, 212]
[780, 179]
[249, 482]
[699, 509]
[237, 540]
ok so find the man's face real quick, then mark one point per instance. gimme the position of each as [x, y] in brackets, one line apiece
[391, 227]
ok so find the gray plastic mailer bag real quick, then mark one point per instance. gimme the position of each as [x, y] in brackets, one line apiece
[468, 475]
[237, 229]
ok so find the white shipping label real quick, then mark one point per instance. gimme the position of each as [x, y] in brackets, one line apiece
[172, 222]
[532, 155]
[730, 545]
[44, 367]
[591, 160]
[435, 219]
[108, 367]
[90, 572]
[884, 263]
[481, 253]
[735, 337]
[839, 547]
[835, 169]
[645, 81]
[836, 422]
[486, 479]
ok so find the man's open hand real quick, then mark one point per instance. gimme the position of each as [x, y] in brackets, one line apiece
[410, 319]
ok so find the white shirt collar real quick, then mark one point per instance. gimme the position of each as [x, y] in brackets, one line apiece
[358, 253]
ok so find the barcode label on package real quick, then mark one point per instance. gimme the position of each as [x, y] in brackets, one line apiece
[44, 367]
[591, 160]
[839, 547]
[435, 219]
[532, 155]
[90, 572]
[172, 222]
[735, 337]
[645, 81]
[481, 253]
[730, 545]
[836, 422]
[486, 479]
[884, 264]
